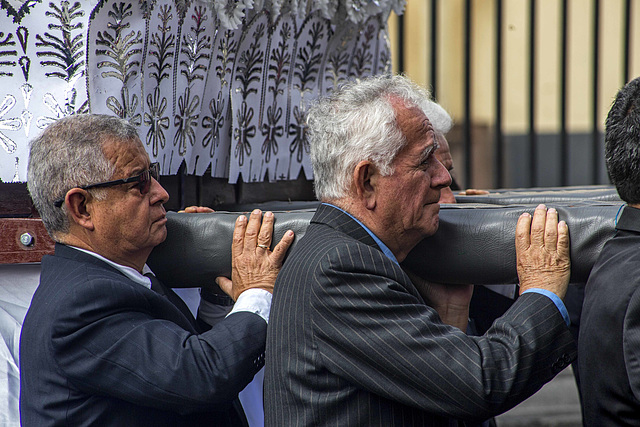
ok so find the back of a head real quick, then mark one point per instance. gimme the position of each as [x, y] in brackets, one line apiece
[622, 142]
[68, 154]
[438, 116]
[357, 122]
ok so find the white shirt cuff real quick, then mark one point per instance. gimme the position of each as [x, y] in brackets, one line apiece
[256, 301]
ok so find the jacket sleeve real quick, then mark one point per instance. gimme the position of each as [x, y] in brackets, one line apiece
[114, 338]
[631, 342]
[373, 330]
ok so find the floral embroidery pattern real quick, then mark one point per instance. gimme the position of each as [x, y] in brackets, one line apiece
[308, 64]
[185, 121]
[6, 50]
[300, 144]
[8, 124]
[65, 51]
[121, 48]
[278, 71]
[227, 81]
[162, 44]
[156, 120]
[249, 72]
[214, 123]
[225, 57]
[160, 55]
[244, 133]
[363, 58]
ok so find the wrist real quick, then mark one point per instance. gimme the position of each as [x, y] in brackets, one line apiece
[457, 316]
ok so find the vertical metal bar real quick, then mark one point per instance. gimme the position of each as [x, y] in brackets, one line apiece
[564, 146]
[498, 175]
[533, 139]
[595, 136]
[400, 47]
[626, 56]
[467, 95]
[434, 48]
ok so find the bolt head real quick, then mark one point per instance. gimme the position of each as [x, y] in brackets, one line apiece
[27, 239]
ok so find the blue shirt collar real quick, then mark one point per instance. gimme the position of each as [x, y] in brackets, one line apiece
[385, 249]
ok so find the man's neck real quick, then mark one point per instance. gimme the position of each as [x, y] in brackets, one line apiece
[367, 218]
[135, 262]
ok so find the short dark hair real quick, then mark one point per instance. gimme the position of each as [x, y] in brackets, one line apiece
[622, 142]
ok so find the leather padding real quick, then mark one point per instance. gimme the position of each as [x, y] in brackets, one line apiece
[603, 193]
[198, 246]
[474, 243]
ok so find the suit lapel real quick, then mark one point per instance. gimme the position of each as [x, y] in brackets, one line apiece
[339, 221]
[164, 292]
[168, 293]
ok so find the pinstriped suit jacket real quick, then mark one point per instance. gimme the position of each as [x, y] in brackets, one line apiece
[99, 349]
[350, 342]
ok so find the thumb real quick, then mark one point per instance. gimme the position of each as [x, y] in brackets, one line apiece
[226, 285]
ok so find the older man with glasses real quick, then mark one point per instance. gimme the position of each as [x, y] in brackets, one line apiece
[106, 343]
[143, 182]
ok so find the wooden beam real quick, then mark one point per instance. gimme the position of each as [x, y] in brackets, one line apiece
[23, 240]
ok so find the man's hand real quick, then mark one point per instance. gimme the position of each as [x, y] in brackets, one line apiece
[196, 209]
[254, 265]
[473, 192]
[542, 251]
[450, 301]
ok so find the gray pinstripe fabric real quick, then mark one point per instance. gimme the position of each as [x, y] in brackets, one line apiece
[350, 342]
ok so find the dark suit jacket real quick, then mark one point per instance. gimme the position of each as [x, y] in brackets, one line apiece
[350, 342]
[99, 349]
[609, 342]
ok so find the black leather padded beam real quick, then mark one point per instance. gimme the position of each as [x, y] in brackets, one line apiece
[198, 246]
[474, 243]
[603, 193]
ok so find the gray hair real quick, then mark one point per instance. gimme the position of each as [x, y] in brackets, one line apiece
[358, 122]
[438, 116]
[69, 153]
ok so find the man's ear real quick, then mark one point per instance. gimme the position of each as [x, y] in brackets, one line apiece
[77, 201]
[365, 176]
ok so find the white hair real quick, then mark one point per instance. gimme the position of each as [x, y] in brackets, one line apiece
[438, 116]
[358, 122]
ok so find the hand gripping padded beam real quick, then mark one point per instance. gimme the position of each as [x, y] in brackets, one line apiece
[475, 243]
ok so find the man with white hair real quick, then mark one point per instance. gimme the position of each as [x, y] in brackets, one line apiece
[351, 340]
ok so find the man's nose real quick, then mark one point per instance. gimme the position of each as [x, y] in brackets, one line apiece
[158, 193]
[441, 177]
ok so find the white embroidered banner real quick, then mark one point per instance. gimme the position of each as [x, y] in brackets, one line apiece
[223, 84]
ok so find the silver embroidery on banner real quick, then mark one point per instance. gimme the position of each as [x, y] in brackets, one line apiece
[219, 85]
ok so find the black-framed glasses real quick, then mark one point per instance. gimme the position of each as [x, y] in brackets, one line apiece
[143, 182]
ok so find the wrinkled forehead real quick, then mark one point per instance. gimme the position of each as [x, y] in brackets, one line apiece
[411, 118]
[126, 155]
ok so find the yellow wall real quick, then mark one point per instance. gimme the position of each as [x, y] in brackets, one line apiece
[515, 59]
